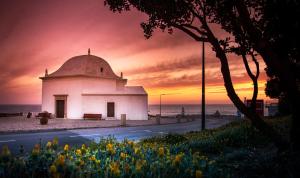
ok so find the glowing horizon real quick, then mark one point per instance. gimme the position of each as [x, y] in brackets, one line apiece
[38, 35]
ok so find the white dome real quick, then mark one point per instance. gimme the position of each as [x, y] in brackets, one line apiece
[85, 65]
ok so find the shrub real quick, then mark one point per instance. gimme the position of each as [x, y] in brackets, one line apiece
[45, 116]
[168, 139]
[108, 158]
[235, 150]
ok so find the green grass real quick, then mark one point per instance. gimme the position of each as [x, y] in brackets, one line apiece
[235, 134]
[238, 149]
[234, 150]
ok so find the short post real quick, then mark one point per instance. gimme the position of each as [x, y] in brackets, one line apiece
[29, 115]
[123, 120]
[182, 112]
[178, 118]
[158, 119]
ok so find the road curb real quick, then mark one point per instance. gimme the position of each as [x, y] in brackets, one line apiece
[64, 129]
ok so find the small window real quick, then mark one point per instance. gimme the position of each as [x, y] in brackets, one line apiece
[101, 69]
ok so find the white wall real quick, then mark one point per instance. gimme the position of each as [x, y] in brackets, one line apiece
[63, 86]
[96, 85]
[134, 106]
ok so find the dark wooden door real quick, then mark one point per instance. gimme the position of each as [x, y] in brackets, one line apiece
[111, 109]
[60, 108]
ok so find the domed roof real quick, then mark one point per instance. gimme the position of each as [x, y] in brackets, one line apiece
[85, 65]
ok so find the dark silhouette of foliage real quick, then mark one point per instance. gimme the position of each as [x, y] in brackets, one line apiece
[249, 32]
[274, 90]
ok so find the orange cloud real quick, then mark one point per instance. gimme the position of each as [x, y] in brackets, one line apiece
[35, 35]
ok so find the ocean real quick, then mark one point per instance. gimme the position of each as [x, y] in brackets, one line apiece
[166, 110]
[20, 108]
[170, 110]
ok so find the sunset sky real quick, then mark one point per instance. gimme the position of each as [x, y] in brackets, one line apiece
[40, 34]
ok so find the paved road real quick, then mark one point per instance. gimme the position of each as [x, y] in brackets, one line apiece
[80, 136]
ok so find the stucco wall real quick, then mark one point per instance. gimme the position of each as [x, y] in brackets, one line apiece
[136, 107]
[95, 85]
[63, 86]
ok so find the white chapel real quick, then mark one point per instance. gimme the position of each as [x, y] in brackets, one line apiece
[86, 84]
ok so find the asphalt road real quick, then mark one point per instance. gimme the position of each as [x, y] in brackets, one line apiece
[80, 136]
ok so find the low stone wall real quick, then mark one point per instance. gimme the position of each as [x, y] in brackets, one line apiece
[23, 124]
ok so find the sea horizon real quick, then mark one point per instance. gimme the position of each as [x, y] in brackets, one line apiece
[153, 109]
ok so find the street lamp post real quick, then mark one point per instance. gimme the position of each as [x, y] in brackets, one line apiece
[203, 89]
[160, 104]
[160, 100]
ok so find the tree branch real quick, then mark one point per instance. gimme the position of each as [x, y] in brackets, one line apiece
[256, 119]
[256, 64]
[194, 28]
[195, 12]
[245, 20]
[190, 33]
[249, 72]
[254, 81]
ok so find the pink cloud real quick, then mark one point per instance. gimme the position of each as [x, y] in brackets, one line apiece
[35, 35]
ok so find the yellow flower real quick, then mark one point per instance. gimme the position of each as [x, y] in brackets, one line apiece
[5, 151]
[49, 145]
[178, 158]
[114, 168]
[66, 147]
[53, 169]
[129, 142]
[199, 174]
[139, 164]
[138, 168]
[78, 152]
[161, 151]
[81, 162]
[93, 158]
[83, 147]
[123, 155]
[60, 160]
[110, 148]
[36, 149]
[136, 150]
[55, 141]
[98, 162]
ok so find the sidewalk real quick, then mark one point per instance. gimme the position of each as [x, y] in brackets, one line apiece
[21, 124]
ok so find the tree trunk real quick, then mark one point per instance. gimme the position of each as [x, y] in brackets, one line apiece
[288, 79]
[256, 120]
[280, 65]
[253, 78]
[249, 113]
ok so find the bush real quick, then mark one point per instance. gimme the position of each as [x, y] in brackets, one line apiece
[43, 120]
[168, 139]
[45, 116]
[108, 158]
[235, 150]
